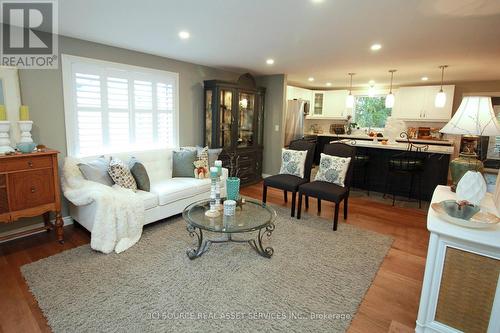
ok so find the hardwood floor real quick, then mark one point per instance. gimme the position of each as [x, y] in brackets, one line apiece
[390, 305]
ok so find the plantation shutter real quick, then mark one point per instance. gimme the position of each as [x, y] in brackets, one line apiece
[120, 110]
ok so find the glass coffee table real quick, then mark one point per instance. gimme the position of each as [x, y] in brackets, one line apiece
[251, 222]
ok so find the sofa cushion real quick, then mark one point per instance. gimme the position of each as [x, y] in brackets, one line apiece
[140, 174]
[183, 163]
[179, 188]
[121, 174]
[150, 199]
[97, 171]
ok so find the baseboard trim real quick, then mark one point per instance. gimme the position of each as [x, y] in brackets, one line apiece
[67, 220]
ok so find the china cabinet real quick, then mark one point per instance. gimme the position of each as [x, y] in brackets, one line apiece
[234, 121]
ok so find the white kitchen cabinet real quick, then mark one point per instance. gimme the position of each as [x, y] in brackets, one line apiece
[417, 103]
[334, 104]
[299, 93]
[329, 104]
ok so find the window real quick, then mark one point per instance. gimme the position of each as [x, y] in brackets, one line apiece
[371, 111]
[112, 107]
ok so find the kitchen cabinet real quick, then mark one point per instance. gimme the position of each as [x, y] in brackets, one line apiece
[329, 104]
[417, 103]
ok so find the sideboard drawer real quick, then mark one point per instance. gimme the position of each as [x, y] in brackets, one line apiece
[26, 163]
[31, 188]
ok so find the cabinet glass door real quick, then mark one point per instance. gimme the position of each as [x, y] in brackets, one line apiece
[208, 118]
[246, 105]
[318, 103]
[226, 118]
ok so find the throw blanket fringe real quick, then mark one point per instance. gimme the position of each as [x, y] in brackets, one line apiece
[119, 213]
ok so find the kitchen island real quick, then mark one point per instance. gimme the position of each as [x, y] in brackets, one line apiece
[436, 160]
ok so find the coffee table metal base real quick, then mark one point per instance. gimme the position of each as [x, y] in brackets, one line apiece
[256, 243]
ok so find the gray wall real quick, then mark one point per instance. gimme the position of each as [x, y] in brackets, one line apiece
[42, 90]
[274, 116]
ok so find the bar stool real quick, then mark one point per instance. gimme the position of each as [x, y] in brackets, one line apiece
[407, 164]
[362, 161]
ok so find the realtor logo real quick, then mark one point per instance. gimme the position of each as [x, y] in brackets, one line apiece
[29, 34]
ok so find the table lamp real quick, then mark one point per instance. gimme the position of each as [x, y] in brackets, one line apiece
[474, 117]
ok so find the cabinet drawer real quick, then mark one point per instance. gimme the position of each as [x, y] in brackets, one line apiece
[29, 189]
[26, 163]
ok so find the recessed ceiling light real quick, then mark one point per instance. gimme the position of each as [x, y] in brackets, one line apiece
[184, 34]
[424, 78]
[371, 82]
[328, 84]
[270, 61]
[311, 79]
[375, 47]
[317, 1]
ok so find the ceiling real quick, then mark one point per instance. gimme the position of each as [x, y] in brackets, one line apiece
[324, 39]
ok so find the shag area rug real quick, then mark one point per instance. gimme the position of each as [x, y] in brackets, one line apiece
[315, 282]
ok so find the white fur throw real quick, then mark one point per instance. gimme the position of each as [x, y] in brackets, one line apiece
[119, 211]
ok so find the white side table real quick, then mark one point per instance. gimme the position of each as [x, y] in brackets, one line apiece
[461, 288]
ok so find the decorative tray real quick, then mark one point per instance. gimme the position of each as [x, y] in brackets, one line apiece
[467, 216]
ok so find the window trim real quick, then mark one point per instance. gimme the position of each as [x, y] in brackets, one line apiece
[70, 114]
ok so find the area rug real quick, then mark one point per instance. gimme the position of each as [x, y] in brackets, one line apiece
[315, 282]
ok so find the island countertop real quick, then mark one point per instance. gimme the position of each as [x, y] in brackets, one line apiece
[434, 146]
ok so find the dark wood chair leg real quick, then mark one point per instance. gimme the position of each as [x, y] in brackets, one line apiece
[367, 182]
[285, 196]
[346, 200]
[393, 189]
[264, 193]
[411, 186]
[293, 204]
[336, 216]
[419, 190]
[307, 202]
[299, 206]
[319, 206]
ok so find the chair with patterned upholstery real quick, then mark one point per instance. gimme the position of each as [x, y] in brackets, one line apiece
[330, 191]
[290, 183]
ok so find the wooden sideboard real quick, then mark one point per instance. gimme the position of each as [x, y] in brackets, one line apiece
[29, 186]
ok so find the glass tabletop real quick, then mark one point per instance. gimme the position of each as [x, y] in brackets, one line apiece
[253, 215]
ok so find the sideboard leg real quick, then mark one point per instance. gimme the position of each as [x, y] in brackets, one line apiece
[46, 221]
[59, 228]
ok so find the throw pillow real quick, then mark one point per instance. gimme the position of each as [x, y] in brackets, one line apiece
[333, 169]
[96, 171]
[140, 174]
[182, 165]
[213, 154]
[292, 162]
[121, 174]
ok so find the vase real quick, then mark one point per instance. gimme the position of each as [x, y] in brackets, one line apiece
[463, 163]
[471, 187]
[233, 188]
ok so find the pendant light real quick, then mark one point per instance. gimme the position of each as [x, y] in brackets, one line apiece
[389, 99]
[440, 100]
[349, 102]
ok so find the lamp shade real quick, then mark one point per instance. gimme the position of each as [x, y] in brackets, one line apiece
[440, 100]
[389, 100]
[349, 102]
[474, 116]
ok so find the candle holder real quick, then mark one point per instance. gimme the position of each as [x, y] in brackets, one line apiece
[213, 211]
[25, 128]
[5, 137]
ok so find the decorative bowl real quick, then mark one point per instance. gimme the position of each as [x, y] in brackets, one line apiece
[26, 147]
[468, 216]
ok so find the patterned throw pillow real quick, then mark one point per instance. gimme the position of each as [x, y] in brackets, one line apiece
[292, 162]
[333, 169]
[121, 174]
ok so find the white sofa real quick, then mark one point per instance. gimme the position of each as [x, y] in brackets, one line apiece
[168, 196]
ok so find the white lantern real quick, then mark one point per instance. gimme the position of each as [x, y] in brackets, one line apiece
[471, 187]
